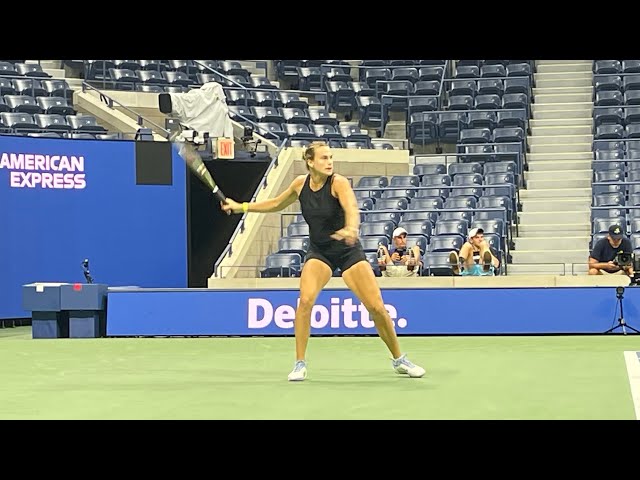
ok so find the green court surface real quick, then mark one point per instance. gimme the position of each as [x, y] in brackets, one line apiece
[576, 377]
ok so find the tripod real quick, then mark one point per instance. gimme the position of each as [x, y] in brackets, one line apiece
[621, 322]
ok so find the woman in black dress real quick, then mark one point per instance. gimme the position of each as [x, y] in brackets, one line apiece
[329, 207]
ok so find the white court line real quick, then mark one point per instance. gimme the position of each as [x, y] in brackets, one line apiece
[632, 359]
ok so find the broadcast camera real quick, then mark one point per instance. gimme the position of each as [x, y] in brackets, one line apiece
[627, 259]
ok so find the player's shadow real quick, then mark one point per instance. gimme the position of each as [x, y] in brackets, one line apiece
[371, 378]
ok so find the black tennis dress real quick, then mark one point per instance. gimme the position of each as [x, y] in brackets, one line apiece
[324, 215]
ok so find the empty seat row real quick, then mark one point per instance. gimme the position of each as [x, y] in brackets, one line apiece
[25, 121]
[458, 167]
[424, 129]
[617, 131]
[488, 102]
[614, 199]
[615, 160]
[609, 98]
[28, 104]
[96, 69]
[494, 86]
[74, 135]
[373, 144]
[511, 70]
[619, 83]
[313, 131]
[404, 180]
[618, 144]
[305, 116]
[22, 69]
[410, 203]
[616, 115]
[276, 98]
[625, 188]
[35, 87]
[371, 76]
[602, 224]
[608, 67]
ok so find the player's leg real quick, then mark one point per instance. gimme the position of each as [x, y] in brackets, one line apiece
[362, 282]
[315, 275]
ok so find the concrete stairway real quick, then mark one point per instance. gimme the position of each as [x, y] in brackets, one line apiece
[554, 228]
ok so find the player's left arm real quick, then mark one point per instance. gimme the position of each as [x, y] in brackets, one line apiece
[348, 201]
[344, 193]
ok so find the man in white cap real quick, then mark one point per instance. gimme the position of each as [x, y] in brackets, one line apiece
[399, 261]
[475, 256]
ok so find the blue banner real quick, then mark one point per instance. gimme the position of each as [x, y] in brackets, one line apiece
[339, 312]
[62, 201]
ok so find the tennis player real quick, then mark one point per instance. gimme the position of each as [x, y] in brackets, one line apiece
[329, 207]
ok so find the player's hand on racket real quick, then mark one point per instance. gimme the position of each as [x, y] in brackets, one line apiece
[231, 206]
[348, 235]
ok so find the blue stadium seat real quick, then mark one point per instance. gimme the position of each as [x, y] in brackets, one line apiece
[282, 265]
[52, 122]
[299, 245]
[452, 226]
[377, 228]
[418, 227]
[85, 123]
[382, 217]
[371, 243]
[445, 243]
[437, 264]
[489, 86]
[429, 169]
[607, 67]
[22, 104]
[31, 70]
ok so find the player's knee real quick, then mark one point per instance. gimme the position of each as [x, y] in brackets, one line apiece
[306, 302]
[376, 308]
[594, 271]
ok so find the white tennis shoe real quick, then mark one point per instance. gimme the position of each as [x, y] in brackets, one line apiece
[403, 366]
[299, 372]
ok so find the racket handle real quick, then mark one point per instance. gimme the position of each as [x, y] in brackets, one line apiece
[219, 195]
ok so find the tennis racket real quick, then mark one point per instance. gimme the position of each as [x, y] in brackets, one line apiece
[192, 158]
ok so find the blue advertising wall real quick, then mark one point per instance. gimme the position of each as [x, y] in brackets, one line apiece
[338, 312]
[131, 234]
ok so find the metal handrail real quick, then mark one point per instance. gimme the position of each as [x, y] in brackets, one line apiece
[140, 120]
[240, 227]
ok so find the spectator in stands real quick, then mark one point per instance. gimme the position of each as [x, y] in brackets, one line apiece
[602, 260]
[476, 258]
[399, 261]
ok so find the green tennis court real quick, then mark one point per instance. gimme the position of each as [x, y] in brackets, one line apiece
[545, 377]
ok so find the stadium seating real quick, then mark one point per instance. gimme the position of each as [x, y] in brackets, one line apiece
[485, 102]
[34, 104]
[616, 149]
[428, 207]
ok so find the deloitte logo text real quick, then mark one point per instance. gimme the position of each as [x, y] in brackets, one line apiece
[29, 170]
[339, 315]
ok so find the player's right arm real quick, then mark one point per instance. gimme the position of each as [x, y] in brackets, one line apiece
[275, 204]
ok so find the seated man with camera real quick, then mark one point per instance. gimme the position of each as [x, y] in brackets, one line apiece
[400, 260]
[612, 255]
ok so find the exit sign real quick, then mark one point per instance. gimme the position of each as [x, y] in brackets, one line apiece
[225, 148]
